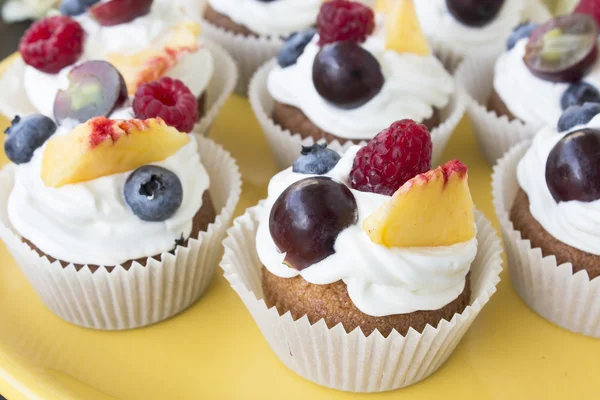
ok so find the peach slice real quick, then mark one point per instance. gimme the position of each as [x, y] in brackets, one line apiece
[432, 209]
[383, 6]
[403, 31]
[150, 65]
[102, 147]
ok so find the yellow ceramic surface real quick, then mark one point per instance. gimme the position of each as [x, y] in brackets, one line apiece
[215, 351]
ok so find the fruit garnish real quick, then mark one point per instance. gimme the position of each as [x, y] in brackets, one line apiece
[150, 65]
[346, 75]
[432, 209]
[307, 218]
[403, 33]
[95, 89]
[168, 99]
[577, 115]
[391, 158]
[341, 20]
[115, 12]
[52, 43]
[316, 160]
[102, 147]
[294, 47]
[153, 193]
[589, 7]
[573, 167]
[383, 6]
[73, 8]
[578, 94]
[563, 49]
[522, 31]
[26, 135]
[474, 12]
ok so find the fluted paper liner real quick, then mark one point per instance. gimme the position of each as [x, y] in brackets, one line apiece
[14, 100]
[142, 295]
[551, 290]
[351, 361]
[249, 52]
[286, 145]
[495, 134]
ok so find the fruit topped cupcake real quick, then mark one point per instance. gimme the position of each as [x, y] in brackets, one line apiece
[356, 254]
[344, 80]
[92, 209]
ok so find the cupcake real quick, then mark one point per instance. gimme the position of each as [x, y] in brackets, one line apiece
[350, 78]
[547, 196]
[372, 250]
[544, 70]
[253, 31]
[116, 223]
[144, 41]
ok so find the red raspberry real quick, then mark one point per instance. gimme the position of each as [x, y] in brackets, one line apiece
[52, 43]
[590, 7]
[168, 99]
[341, 20]
[391, 158]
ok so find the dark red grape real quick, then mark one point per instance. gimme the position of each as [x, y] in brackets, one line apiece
[346, 75]
[573, 167]
[474, 12]
[307, 218]
[563, 49]
[115, 12]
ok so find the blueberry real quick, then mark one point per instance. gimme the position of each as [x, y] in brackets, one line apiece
[579, 93]
[294, 47]
[578, 115]
[153, 193]
[316, 160]
[26, 135]
[73, 8]
[523, 30]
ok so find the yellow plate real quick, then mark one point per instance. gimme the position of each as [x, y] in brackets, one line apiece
[215, 351]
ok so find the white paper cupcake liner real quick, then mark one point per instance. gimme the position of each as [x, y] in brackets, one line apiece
[286, 145]
[142, 295]
[569, 300]
[249, 52]
[351, 361]
[14, 99]
[495, 134]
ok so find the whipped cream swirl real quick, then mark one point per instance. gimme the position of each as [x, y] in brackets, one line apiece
[442, 27]
[381, 280]
[274, 18]
[414, 87]
[90, 222]
[575, 223]
[194, 69]
[529, 98]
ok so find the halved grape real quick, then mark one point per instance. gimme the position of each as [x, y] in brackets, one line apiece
[563, 49]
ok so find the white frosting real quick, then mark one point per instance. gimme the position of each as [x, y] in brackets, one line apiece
[529, 98]
[575, 223]
[442, 27]
[194, 69]
[90, 222]
[414, 86]
[276, 18]
[381, 281]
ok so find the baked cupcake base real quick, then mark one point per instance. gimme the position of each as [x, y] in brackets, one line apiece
[223, 21]
[496, 104]
[332, 304]
[294, 120]
[555, 291]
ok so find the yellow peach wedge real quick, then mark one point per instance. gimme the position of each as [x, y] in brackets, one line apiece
[102, 147]
[432, 209]
[403, 31]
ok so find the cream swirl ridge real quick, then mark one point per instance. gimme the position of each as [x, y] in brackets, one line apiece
[276, 18]
[575, 223]
[414, 87]
[381, 281]
[90, 222]
[529, 98]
